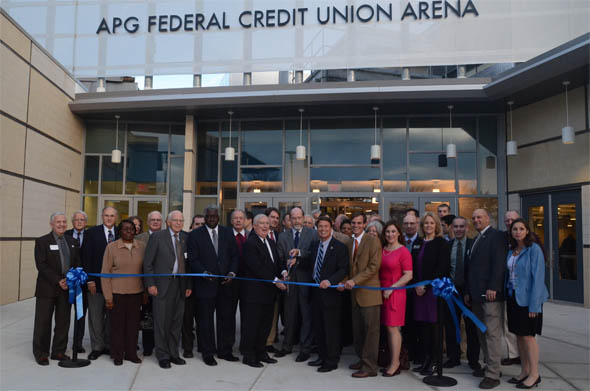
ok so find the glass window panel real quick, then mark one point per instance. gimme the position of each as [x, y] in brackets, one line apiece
[256, 207]
[121, 206]
[203, 202]
[296, 179]
[262, 143]
[100, 136]
[207, 151]
[394, 159]
[91, 166]
[344, 179]
[537, 221]
[333, 206]
[566, 229]
[144, 207]
[176, 183]
[351, 138]
[425, 134]
[466, 172]
[229, 189]
[112, 177]
[261, 180]
[397, 210]
[427, 176]
[147, 159]
[432, 205]
[91, 209]
[488, 147]
[468, 205]
[177, 141]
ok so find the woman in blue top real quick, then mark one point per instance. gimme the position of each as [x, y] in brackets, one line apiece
[525, 285]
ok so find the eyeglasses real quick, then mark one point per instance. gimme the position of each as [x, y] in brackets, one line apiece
[177, 220]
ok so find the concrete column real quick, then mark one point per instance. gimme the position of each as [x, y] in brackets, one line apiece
[461, 72]
[197, 80]
[190, 170]
[298, 77]
[101, 86]
[247, 79]
[148, 83]
[351, 75]
[406, 73]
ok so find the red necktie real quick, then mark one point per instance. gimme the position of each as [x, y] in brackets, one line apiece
[356, 245]
[272, 236]
[240, 239]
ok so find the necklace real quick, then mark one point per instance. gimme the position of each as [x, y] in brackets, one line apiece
[386, 251]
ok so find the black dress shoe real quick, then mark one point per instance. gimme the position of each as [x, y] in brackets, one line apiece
[302, 357]
[118, 362]
[165, 364]
[271, 349]
[135, 360]
[428, 370]
[316, 363]
[188, 354]
[524, 386]
[475, 366]
[253, 363]
[395, 373]
[326, 368]
[209, 361]
[80, 350]
[489, 383]
[229, 357]
[514, 380]
[510, 361]
[177, 361]
[268, 360]
[282, 353]
[450, 363]
[43, 361]
[94, 355]
[479, 373]
[60, 357]
[147, 354]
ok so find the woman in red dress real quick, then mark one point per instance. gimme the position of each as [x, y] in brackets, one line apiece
[396, 271]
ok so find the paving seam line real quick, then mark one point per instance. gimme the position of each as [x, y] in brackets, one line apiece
[559, 376]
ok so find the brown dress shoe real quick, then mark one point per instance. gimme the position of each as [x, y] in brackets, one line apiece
[356, 366]
[42, 361]
[362, 374]
[60, 357]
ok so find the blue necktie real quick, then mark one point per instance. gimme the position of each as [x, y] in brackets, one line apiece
[111, 237]
[296, 239]
[318, 264]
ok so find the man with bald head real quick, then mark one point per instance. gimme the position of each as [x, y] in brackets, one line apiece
[293, 245]
[95, 242]
[484, 291]
[166, 254]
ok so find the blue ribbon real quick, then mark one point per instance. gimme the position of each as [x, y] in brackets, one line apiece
[75, 278]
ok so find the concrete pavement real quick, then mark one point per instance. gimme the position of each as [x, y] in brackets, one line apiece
[564, 346]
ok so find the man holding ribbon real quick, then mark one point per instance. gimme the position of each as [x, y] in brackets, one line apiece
[55, 254]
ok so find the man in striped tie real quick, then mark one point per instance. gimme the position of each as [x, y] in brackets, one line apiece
[328, 265]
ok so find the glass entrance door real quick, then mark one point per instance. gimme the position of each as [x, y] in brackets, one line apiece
[535, 209]
[395, 207]
[121, 204]
[143, 206]
[133, 206]
[284, 204]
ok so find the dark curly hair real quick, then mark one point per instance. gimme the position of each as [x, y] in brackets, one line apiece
[529, 238]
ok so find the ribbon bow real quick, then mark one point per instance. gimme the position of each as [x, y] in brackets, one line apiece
[75, 278]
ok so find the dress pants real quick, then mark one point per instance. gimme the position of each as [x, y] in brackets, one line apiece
[147, 336]
[490, 313]
[410, 333]
[98, 322]
[227, 304]
[220, 306]
[44, 309]
[168, 312]
[453, 348]
[298, 312]
[365, 328]
[327, 325]
[272, 335]
[80, 325]
[189, 320]
[510, 338]
[256, 324]
[125, 325]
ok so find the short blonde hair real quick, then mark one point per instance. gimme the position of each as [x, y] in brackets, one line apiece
[437, 227]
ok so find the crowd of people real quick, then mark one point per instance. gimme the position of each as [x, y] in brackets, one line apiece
[498, 274]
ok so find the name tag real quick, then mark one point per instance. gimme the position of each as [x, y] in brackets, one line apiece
[186, 255]
[416, 247]
[54, 247]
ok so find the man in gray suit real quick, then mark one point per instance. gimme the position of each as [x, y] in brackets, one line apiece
[166, 254]
[295, 243]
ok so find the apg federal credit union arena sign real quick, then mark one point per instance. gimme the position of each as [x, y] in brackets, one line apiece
[129, 37]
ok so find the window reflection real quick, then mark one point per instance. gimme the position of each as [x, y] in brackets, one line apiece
[433, 134]
[338, 141]
[468, 205]
[394, 157]
[566, 227]
[427, 176]
[175, 197]
[488, 146]
[397, 210]
[466, 172]
[296, 179]
[112, 177]
[334, 206]
[537, 221]
[262, 143]
[100, 136]
[207, 151]
[147, 159]
[261, 180]
[91, 174]
[90, 206]
[345, 179]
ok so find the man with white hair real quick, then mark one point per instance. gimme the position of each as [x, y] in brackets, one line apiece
[55, 254]
[166, 254]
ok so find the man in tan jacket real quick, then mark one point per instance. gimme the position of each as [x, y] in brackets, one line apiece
[365, 261]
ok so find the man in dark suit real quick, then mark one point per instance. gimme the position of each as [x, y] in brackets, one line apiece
[55, 254]
[294, 243]
[212, 250]
[240, 235]
[95, 242]
[485, 292]
[261, 260]
[79, 221]
[166, 254]
[460, 249]
[327, 265]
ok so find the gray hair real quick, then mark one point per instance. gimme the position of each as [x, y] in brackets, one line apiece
[258, 217]
[111, 207]
[318, 211]
[212, 208]
[295, 208]
[377, 224]
[153, 212]
[236, 211]
[80, 212]
[55, 214]
[512, 211]
[171, 213]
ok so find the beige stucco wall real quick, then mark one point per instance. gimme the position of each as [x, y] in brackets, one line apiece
[40, 155]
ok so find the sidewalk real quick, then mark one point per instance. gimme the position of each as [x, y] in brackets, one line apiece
[564, 345]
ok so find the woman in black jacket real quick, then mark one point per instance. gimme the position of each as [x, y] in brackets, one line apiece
[431, 260]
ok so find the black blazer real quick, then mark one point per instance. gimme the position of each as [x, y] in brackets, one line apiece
[70, 232]
[436, 262]
[487, 265]
[334, 269]
[258, 264]
[93, 248]
[202, 258]
[48, 264]
[468, 244]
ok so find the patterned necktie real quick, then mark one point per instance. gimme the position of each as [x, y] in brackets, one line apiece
[318, 264]
[179, 264]
[215, 241]
[79, 238]
[64, 254]
[110, 236]
[296, 241]
[459, 268]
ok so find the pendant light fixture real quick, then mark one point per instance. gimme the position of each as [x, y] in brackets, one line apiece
[442, 158]
[230, 152]
[300, 150]
[567, 132]
[451, 148]
[511, 145]
[375, 148]
[116, 153]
